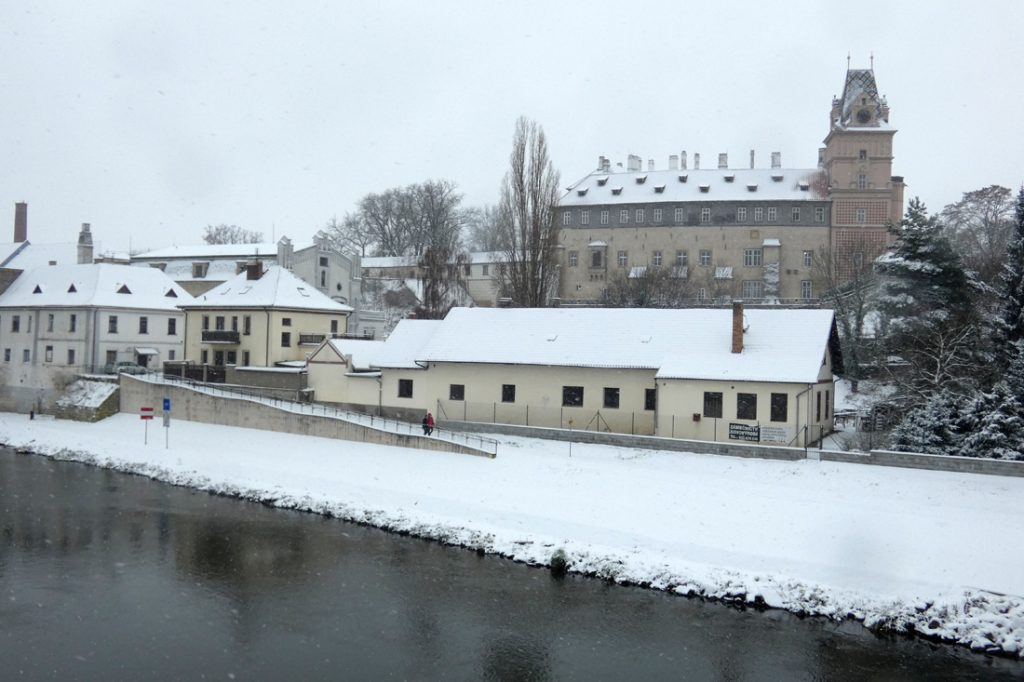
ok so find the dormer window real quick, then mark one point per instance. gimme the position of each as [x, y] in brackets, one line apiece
[705, 189]
[659, 188]
[804, 186]
[199, 270]
[730, 178]
[616, 191]
[170, 294]
[37, 290]
[683, 177]
[582, 192]
[641, 179]
[601, 182]
[776, 177]
[124, 289]
[72, 289]
[752, 188]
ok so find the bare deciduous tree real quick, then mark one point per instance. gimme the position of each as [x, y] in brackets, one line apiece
[230, 234]
[482, 228]
[647, 287]
[979, 227]
[529, 195]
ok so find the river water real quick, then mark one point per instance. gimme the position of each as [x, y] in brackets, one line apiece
[107, 576]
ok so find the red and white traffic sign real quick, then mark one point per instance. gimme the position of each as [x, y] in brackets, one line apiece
[146, 413]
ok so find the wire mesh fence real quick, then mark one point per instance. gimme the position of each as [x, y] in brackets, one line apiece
[555, 417]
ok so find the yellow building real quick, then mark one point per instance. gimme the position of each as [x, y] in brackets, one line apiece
[260, 318]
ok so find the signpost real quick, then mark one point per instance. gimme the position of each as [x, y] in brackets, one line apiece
[167, 422]
[145, 414]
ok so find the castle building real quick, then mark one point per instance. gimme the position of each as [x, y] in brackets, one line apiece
[728, 232]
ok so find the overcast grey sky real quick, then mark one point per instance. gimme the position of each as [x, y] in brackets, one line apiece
[152, 120]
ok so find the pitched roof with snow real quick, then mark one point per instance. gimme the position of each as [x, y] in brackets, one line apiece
[277, 288]
[26, 255]
[364, 352]
[95, 284]
[780, 345]
[754, 184]
[405, 343]
[213, 251]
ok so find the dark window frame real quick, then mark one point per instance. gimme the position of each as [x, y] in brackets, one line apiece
[508, 393]
[746, 406]
[572, 396]
[779, 407]
[713, 402]
[611, 397]
[650, 399]
[405, 388]
[457, 392]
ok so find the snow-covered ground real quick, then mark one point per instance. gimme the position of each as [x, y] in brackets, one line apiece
[936, 552]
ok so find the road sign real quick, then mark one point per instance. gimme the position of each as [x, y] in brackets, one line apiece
[146, 413]
[167, 404]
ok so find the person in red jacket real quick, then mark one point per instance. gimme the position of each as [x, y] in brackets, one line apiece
[428, 424]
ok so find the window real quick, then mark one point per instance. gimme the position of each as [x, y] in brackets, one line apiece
[819, 214]
[205, 356]
[679, 217]
[143, 325]
[817, 408]
[15, 323]
[746, 406]
[405, 388]
[862, 215]
[806, 290]
[741, 215]
[682, 259]
[572, 396]
[457, 392]
[49, 322]
[574, 257]
[206, 323]
[611, 398]
[780, 407]
[657, 215]
[485, 270]
[285, 322]
[218, 323]
[604, 217]
[323, 278]
[246, 325]
[286, 339]
[758, 215]
[566, 218]
[72, 322]
[624, 216]
[508, 393]
[827, 394]
[712, 404]
[753, 288]
[71, 356]
[232, 357]
[702, 294]
[650, 399]
[862, 181]
[112, 324]
[623, 259]
[796, 214]
[656, 258]
[639, 215]
[28, 322]
[863, 155]
[245, 358]
[595, 259]
[705, 215]
[705, 257]
[170, 354]
[752, 258]
[48, 355]
[234, 323]
[584, 217]
[323, 261]
[773, 214]
[334, 327]
[7, 354]
[808, 259]
[26, 355]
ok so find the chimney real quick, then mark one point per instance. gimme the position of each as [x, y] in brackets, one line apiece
[673, 162]
[21, 222]
[751, 159]
[723, 160]
[600, 162]
[606, 164]
[696, 161]
[634, 163]
[84, 245]
[682, 161]
[285, 253]
[650, 164]
[737, 327]
[253, 270]
[776, 159]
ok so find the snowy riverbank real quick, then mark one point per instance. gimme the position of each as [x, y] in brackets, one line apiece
[934, 552]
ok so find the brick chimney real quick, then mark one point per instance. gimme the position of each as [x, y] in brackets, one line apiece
[21, 222]
[737, 327]
[85, 244]
[253, 270]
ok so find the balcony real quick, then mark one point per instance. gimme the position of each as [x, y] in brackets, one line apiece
[311, 339]
[220, 336]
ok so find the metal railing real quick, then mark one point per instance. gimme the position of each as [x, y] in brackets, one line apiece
[220, 336]
[487, 445]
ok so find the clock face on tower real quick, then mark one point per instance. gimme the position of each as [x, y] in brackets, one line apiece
[864, 115]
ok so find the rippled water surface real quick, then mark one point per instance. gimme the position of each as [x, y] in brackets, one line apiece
[108, 576]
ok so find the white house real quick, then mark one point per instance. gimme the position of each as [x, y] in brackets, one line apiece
[344, 371]
[761, 375]
[60, 320]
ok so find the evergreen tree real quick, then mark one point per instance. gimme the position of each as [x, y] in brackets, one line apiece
[932, 428]
[1011, 323]
[927, 306]
[997, 417]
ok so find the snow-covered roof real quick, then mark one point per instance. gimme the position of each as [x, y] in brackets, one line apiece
[411, 261]
[364, 352]
[770, 184]
[215, 271]
[782, 345]
[214, 251]
[405, 343]
[277, 288]
[95, 284]
[26, 255]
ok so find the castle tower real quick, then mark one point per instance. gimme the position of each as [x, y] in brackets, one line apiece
[857, 160]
